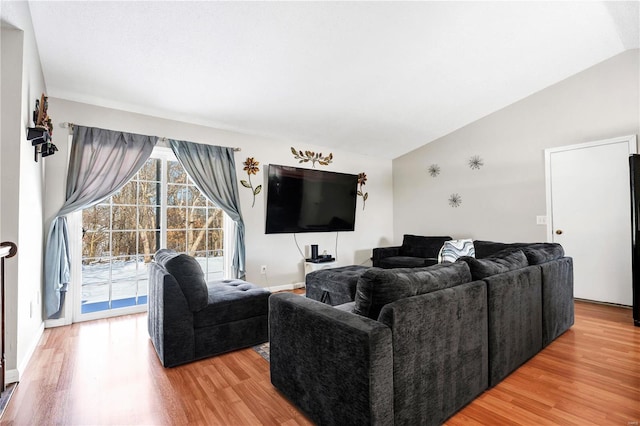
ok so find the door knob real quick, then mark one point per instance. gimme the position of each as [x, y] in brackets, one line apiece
[559, 231]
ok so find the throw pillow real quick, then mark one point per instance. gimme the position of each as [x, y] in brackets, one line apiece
[452, 250]
[483, 268]
[188, 273]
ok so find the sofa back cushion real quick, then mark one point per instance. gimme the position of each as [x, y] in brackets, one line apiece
[489, 248]
[539, 253]
[377, 287]
[503, 261]
[188, 273]
[420, 246]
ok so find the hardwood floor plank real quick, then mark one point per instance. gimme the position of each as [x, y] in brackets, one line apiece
[107, 372]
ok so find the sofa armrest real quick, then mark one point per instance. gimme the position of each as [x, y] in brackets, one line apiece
[335, 366]
[557, 298]
[382, 252]
[169, 321]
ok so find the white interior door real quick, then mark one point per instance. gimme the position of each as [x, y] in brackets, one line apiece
[588, 202]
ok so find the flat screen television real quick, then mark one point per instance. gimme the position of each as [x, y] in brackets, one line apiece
[309, 200]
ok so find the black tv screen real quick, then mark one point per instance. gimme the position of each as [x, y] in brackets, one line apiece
[309, 200]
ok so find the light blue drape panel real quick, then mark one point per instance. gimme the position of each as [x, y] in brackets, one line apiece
[213, 170]
[101, 162]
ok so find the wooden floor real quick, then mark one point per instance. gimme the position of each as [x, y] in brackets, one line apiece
[106, 372]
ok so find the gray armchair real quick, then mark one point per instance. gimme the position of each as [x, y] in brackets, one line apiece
[190, 319]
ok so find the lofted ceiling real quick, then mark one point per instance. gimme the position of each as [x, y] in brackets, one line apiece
[377, 78]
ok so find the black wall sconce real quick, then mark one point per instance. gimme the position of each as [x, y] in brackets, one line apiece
[40, 134]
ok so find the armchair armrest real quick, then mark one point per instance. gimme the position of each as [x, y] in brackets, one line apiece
[382, 252]
[170, 324]
[335, 366]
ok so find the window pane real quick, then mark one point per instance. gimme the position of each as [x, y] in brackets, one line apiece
[149, 193]
[175, 172]
[95, 271]
[218, 216]
[148, 217]
[214, 239]
[178, 195]
[123, 243]
[95, 297]
[197, 218]
[126, 194]
[177, 240]
[95, 243]
[124, 217]
[96, 217]
[176, 218]
[143, 291]
[197, 200]
[150, 170]
[148, 244]
[196, 240]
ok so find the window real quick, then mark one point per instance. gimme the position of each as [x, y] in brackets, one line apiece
[159, 207]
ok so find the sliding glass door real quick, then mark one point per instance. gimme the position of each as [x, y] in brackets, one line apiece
[159, 208]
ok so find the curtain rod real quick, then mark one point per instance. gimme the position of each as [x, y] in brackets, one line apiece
[67, 125]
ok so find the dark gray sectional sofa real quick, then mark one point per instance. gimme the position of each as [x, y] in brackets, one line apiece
[416, 345]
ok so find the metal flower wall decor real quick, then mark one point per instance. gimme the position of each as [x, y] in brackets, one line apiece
[251, 167]
[362, 180]
[314, 157]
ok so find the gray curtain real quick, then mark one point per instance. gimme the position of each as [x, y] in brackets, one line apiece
[101, 162]
[213, 170]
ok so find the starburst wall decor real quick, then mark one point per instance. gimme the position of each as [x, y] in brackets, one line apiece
[475, 162]
[455, 200]
[434, 170]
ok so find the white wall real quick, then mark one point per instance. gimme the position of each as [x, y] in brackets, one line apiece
[501, 200]
[22, 183]
[278, 252]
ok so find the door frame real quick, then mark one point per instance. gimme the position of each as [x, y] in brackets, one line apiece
[631, 140]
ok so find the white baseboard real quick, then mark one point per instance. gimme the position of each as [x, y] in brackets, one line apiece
[285, 287]
[13, 375]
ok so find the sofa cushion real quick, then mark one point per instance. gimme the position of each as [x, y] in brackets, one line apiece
[543, 252]
[188, 273]
[232, 300]
[403, 262]
[377, 287]
[503, 261]
[421, 246]
[162, 256]
[489, 248]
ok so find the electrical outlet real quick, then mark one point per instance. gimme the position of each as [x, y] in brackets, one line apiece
[541, 220]
[263, 269]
